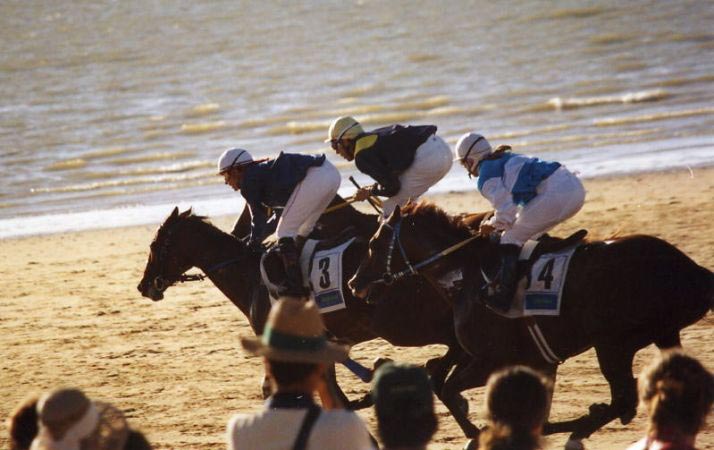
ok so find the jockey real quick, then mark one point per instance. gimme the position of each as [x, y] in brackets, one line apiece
[529, 196]
[405, 161]
[302, 185]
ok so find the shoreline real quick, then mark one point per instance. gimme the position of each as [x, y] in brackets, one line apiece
[71, 316]
[146, 215]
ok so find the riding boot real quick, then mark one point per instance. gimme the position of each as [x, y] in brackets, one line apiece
[291, 263]
[502, 290]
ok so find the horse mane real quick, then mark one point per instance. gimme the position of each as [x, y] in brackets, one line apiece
[194, 219]
[429, 214]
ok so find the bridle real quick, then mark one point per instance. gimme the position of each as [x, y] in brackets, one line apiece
[412, 269]
[161, 284]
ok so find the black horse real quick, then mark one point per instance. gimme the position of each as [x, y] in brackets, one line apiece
[414, 315]
[619, 296]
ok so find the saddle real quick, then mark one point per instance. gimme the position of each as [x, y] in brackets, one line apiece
[531, 252]
[273, 272]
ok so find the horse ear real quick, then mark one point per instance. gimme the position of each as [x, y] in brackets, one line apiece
[174, 213]
[186, 213]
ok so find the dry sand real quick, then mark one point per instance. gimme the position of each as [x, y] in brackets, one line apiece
[70, 314]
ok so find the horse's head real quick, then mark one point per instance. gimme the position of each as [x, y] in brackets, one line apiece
[407, 241]
[167, 262]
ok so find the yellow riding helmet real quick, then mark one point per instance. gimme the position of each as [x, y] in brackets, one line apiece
[344, 127]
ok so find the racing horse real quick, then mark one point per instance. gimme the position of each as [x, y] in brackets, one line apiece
[414, 316]
[619, 296]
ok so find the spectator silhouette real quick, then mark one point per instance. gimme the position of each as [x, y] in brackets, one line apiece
[404, 405]
[517, 401]
[296, 353]
[678, 393]
[66, 419]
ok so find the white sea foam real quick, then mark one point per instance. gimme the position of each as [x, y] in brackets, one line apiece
[619, 159]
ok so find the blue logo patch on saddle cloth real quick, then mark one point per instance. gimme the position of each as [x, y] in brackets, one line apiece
[541, 291]
[323, 270]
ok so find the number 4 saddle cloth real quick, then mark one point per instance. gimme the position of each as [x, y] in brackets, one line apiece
[543, 273]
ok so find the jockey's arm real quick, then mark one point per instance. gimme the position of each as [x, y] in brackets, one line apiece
[502, 201]
[259, 218]
[368, 162]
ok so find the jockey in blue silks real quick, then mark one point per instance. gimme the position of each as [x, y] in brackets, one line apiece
[301, 185]
[529, 197]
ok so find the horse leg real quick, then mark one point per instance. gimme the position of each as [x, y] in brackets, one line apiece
[466, 375]
[615, 360]
[669, 340]
[439, 368]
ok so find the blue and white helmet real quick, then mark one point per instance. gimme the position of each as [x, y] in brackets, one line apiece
[233, 157]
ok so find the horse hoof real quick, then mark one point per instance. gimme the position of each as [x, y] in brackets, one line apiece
[598, 409]
[573, 444]
[628, 416]
[471, 444]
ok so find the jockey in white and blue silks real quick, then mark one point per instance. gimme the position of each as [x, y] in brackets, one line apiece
[529, 197]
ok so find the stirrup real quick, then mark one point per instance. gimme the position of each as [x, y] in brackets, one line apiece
[496, 300]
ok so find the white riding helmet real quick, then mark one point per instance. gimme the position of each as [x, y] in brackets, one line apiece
[344, 127]
[472, 145]
[233, 157]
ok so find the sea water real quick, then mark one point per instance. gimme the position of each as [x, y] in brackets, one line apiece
[112, 113]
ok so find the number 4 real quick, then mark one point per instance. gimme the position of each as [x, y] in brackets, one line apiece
[546, 275]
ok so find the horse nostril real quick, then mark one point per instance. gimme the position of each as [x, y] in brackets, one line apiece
[159, 284]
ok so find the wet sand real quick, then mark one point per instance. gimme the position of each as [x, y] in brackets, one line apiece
[70, 315]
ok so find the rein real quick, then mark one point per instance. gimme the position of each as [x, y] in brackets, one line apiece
[412, 269]
[202, 276]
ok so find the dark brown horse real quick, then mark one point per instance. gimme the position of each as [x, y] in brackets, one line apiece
[619, 296]
[415, 314]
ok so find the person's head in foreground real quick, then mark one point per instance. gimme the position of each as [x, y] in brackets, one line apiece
[678, 392]
[404, 403]
[295, 352]
[294, 346]
[66, 419]
[517, 400]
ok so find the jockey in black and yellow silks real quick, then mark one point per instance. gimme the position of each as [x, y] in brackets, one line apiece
[405, 161]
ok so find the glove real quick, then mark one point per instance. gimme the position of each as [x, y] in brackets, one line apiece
[363, 193]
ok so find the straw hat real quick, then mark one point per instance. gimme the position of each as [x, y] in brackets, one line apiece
[295, 332]
[69, 420]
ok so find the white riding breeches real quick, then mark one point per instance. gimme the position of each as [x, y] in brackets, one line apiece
[309, 200]
[559, 197]
[432, 161]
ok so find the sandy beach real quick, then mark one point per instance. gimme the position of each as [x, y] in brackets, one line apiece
[70, 315]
